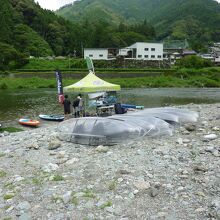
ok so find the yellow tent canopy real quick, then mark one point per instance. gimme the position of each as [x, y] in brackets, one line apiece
[92, 83]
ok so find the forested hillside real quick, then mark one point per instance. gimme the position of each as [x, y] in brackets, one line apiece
[195, 20]
[28, 30]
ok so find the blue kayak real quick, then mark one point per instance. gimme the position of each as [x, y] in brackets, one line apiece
[52, 117]
[132, 106]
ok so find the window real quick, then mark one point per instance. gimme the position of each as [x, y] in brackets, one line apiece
[139, 56]
[152, 49]
[100, 55]
[146, 56]
[146, 49]
[152, 56]
[159, 56]
[90, 55]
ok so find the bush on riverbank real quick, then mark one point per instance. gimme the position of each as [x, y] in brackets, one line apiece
[193, 62]
[70, 63]
[138, 82]
[10, 129]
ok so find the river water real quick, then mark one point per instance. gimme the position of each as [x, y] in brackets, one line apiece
[15, 104]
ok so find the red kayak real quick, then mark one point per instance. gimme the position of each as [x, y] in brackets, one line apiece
[29, 122]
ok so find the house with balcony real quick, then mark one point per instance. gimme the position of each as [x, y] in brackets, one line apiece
[143, 51]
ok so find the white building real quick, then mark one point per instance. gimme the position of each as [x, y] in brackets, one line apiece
[137, 51]
[144, 51]
[96, 54]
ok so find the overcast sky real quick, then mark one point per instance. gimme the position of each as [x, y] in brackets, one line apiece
[55, 4]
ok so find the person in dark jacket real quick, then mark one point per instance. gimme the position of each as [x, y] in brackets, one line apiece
[66, 105]
[76, 106]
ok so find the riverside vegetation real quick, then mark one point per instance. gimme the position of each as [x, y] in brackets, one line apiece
[38, 73]
[28, 30]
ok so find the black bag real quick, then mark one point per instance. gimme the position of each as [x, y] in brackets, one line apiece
[119, 109]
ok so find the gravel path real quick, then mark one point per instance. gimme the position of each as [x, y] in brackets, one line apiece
[172, 178]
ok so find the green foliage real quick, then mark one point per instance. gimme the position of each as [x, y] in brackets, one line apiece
[58, 178]
[107, 204]
[193, 62]
[3, 86]
[64, 64]
[6, 22]
[29, 42]
[195, 20]
[199, 79]
[27, 29]
[8, 196]
[2, 173]
[10, 129]
[10, 57]
[74, 200]
[89, 194]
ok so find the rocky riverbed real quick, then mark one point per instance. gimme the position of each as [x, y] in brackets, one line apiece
[174, 177]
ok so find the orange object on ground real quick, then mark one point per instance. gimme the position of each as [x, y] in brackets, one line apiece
[29, 122]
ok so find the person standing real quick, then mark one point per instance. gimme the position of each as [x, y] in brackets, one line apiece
[66, 105]
[76, 106]
[81, 106]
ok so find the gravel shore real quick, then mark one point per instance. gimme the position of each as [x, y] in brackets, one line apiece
[174, 177]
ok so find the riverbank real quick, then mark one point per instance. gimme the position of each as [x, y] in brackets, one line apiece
[173, 177]
[127, 77]
[192, 81]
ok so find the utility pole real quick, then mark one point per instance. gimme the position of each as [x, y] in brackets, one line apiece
[82, 49]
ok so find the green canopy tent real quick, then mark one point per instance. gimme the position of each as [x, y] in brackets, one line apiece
[92, 83]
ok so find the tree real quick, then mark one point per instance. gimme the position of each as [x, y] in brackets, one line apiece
[6, 22]
[193, 62]
[10, 57]
[28, 41]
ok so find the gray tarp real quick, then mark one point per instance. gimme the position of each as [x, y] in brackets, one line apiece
[124, 128]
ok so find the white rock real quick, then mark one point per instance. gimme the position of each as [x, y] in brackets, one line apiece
[18, 178]
[142, 185]
[200, 209]
[24, 216]
[102, 149]
[210, 149]
[131, 195]
[54, 144]
[204, 123]
[210, 137]
[179, 141]
[50, 167]
[216, 129]
[23, 206]
[72, 161]
[120, 180]
[185, 141]
[67, 197]
[136, 192]
[61, 154]
[34, 146]
[216, 153]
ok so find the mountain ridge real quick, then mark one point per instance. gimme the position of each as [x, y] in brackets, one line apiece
[171, 18]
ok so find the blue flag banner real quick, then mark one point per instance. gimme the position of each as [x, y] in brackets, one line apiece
[59, 86]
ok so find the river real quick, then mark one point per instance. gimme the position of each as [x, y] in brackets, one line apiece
[15, 104]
